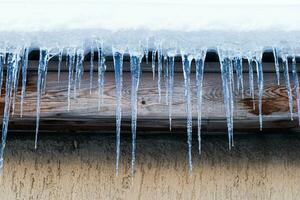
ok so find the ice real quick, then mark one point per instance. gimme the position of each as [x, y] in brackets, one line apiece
[200, 59]
[153, 63]
[186, 66]
[60, 55]
[43, 62]
[79, 70]
[166, 76]
[171, 57]
[251, 80]
[24, 60]
[296, 83]
[12, 67]
[101, 73]
[135, 60]
[288, 84]
[91, 69]
[118, 66]
[275, 54]
[159, 71]
[71, 59]
[260, 84]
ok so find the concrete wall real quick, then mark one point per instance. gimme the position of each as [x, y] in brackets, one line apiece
[83, 167]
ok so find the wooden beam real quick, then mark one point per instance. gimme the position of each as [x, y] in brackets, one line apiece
[152, 116]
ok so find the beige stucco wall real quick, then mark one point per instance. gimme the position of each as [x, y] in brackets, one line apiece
[259, 167]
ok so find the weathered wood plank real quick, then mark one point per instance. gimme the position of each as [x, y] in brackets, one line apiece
[152, 116]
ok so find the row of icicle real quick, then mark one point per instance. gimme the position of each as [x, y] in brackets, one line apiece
[17, 61]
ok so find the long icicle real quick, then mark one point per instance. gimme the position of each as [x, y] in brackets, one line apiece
[186, 65]
[159, 71]
[118, 66]
[92, 69]
[12, 65]
[101, 73]
[15, 86]
[296, 83]
[288, 84]
[226, 75]
[200, 59]
[135, 60]
[79, 70]
[166, 76]
[24, 76]
[43, 61]
[260, 83]
[170, 86]
[71, 59]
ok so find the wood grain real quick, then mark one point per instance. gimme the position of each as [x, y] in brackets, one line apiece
[152, 116]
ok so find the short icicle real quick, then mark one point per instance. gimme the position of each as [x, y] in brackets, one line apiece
[2, 61]
[12, 66]
[24, 61]
[288, 84]
[275, 54]
[60, 55]
[135, 60]
[153, 63]
[43, 61]
[200, 59]
[251, 80]
[118, 66]
[186, 65]
[296, 83]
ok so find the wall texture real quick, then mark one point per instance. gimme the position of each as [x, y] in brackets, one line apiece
[70, 166]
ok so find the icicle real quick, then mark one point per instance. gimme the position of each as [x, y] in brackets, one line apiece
[186, 65]
[251, 81]
[135, 59]
[170, 86]
[239, 72]
[2, 61]
[91, 69]
[101, 73]
[296, 83]
[153, 63]
[200, 59]
[12, 66]
[166, 76]
[146, 51]
[15, 87]
[71, 59]
[226, 68]
[118, 66]
[260, 83]
[43, 61]
[288, 84]
[24, 75]
[276, 65]
[159, 71]
[79, 70]
[59, 64]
